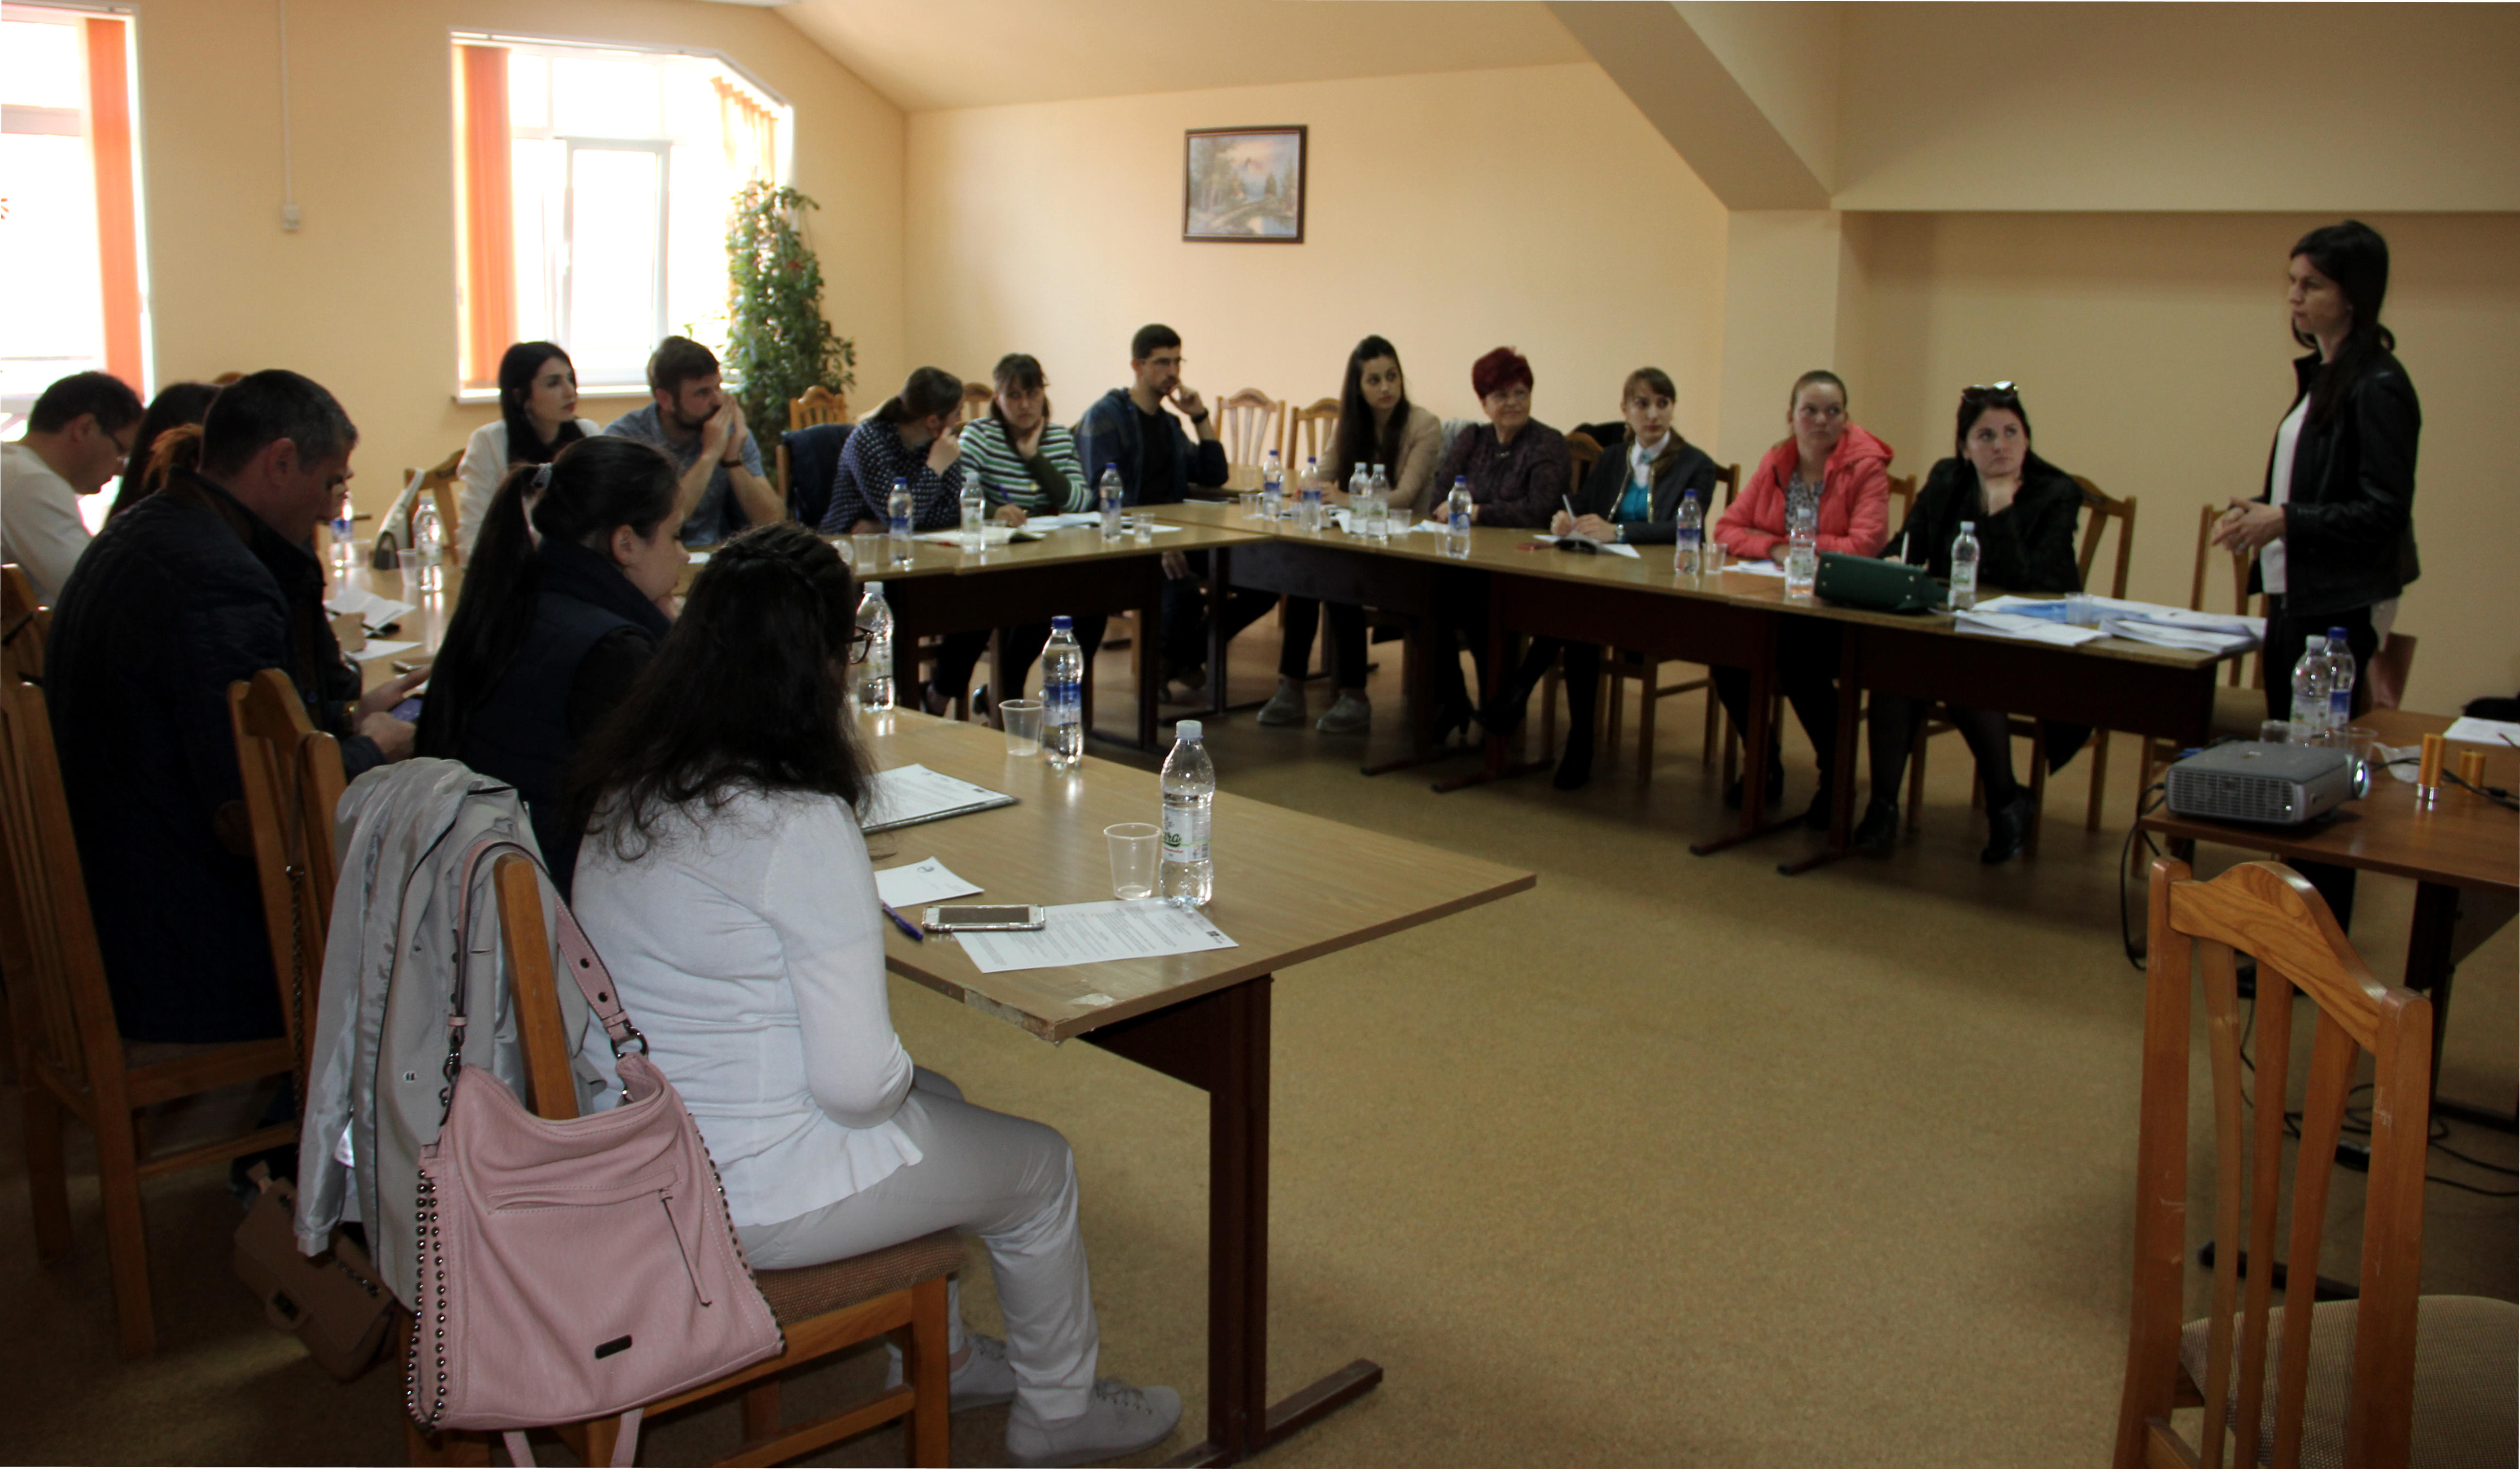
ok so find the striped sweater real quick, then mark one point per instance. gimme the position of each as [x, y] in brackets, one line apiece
[988, 454]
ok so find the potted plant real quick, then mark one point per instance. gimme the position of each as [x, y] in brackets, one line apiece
[778, 343]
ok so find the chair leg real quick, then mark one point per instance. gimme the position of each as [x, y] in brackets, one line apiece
[1613, 695]
[1549, 711]
[1714, 709]
[2099, 780]
[2038, 790]
[931, 1413]
[48, 1186]
[761, 1412]
[601, 1434]
[1646, 703]
[1917, 776]
[126, 1236]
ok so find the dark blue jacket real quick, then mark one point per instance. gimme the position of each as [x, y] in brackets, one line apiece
[182, 594]
[1108, 434]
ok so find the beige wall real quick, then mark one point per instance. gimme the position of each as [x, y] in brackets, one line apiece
[1449, 213]
[362, 298]
[2152, 354]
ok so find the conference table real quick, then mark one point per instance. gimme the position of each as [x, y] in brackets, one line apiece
[2460, 850]
[1203, 1018]
[1640, 604]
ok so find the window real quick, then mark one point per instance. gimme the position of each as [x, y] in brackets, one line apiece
[593, 190]
[72, 299]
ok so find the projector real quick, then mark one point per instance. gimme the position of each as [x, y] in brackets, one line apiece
[2264, 783]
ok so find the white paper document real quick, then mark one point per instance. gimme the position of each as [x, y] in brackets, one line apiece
[374, 610]
[1605, 548]
[929, 882]
[2026, 629]
[2483, 731]
[696, 558]
[1756, 568]
[914, 794]
[1093, 933]
[375, 650]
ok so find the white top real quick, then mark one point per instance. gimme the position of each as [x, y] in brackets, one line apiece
[748, 948]
[2271, 558]
[485, 464]
[40, 528]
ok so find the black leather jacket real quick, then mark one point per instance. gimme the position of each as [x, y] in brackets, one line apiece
[2348, 527]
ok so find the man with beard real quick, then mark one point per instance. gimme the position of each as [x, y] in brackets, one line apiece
[702, 432]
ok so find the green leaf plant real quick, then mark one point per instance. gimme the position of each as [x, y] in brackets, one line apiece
[778, 343]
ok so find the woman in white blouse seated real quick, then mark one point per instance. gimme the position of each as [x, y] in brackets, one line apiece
[537, 418]
[727, 883]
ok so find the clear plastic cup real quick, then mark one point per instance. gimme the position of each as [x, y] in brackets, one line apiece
[865, 555]
[408, 563]
[1022, 718]
[1135, 846]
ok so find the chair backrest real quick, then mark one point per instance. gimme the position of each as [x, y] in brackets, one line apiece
[978, 394]
[58, 1005]
[1583, 452]
[293, 782]
[533, 988]
[2267, 910]
[1310, 431]
[1728, 481]
[1903, 488]
[23, 625]
[812, 459]
[2105, 509]
[819, 405]
[1251, 423]
[2241, 560]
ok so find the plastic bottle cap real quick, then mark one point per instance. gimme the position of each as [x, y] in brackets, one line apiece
[1062, 624]
[1187, 728]
[875, 589]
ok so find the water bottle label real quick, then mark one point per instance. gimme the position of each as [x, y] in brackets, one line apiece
[1063, 704]
[1186, 833]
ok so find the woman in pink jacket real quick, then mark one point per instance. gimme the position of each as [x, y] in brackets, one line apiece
[1851, 469]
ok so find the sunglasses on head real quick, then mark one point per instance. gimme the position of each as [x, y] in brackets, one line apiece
[1979, 391]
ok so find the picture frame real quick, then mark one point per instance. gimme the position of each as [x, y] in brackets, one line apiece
[1244, 185]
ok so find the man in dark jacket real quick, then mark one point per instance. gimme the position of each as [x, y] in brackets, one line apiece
[207, 582]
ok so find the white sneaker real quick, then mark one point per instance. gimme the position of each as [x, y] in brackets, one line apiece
[1119, 1421]
[1284, 707]
[985, 1380]
[1351, 715]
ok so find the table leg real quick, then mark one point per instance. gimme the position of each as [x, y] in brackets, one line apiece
[1754, 753]
[1150, 678]
[1220, 1042]
[1841, 796]
[1417, 693]
[1220, 595]
[2430, 965]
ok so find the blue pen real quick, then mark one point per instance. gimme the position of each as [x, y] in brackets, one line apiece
[904, 924]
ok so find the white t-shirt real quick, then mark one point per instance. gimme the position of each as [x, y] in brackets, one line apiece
[748, 948]
[485, 464]
[40, 528]
[2271, 559]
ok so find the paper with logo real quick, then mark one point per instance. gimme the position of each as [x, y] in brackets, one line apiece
[1093, 933]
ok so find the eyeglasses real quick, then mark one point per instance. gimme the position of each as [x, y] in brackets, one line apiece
[861, 642]
[1978, 392]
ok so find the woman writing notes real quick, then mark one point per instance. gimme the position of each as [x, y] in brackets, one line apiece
[2334, 529]
[1849, 470]
[537, 418]
[1377, 425]
[1632, 497]
[2023, 509]
[727, 883]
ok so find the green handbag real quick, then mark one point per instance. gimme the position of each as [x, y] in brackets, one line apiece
[1876, 585]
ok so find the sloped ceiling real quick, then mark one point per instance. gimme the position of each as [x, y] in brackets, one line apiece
[928, 55]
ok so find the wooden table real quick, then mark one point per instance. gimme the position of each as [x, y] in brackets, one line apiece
[1199, 1018]
[2462, 844]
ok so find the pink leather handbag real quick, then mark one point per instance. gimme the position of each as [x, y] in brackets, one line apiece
[576, 1270]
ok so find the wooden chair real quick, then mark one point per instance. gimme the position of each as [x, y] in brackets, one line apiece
[72, 1057]
[445, 489]
[2102, 509]
[293, 782]
[25, 624]
[977, 395]
[2240, 702]
[1310, 433]
[821, 1309]
[1903, 489]
[819, 405]
[2382, 1381]
[1251, 423]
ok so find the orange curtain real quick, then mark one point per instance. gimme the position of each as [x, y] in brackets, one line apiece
[485, 208]
[117, 225]
[751, 133]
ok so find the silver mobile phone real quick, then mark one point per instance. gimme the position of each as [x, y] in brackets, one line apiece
[975, 917]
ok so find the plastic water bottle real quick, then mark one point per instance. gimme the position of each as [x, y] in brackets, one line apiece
[1062, 696]
[1802, 547]
[1308, 496]
[429, 538]
[1690, 557]
[1111, 494]
[875, 674]
[1965, 567]
[343, 549]
[975, 513]
[2340, 679]
[2310, 686]
[1360, 493]
[897, 510]
[1273, 488]
[1377, 514]
[1189, 875]
[1456, 520]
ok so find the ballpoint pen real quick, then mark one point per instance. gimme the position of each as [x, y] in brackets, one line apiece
[904, 924]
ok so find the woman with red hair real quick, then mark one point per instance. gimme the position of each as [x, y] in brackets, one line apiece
[1517, 466]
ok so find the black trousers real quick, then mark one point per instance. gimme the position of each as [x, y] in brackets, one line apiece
[1807, 656]
[961, 654]
[1894, 722]
[1347, 641]
[1582, 676]
[2285, 635]
[1184, 640]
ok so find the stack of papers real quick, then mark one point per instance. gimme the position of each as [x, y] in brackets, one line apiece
[914, 794]
[990, 535]
[2145, 622]
[1093, 933]
[2483, 731]
[2027, 628]
[374, 610]
[1605, 548]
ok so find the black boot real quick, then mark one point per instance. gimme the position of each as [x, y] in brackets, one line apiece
[1504, 713]
[1575, 768]
[1775, 785]
[2007, 826]
[1879, 831]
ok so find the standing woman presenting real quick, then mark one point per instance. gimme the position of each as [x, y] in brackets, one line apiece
[2334, 530]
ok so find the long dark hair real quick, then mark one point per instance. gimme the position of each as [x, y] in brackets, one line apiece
[594, 486]
[177, 403]
[516, 370]
[746, 694]
[930, 392]
[2354, 256]
[1356, 442]
[1018, 370]
[1976, 403]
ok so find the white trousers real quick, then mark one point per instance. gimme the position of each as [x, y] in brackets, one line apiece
[1009, 1180]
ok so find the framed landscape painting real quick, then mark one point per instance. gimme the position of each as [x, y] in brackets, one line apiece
[1243, 184]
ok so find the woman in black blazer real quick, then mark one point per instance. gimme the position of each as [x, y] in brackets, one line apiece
[2024, 510]
[2334, 529]
[1632, 497]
